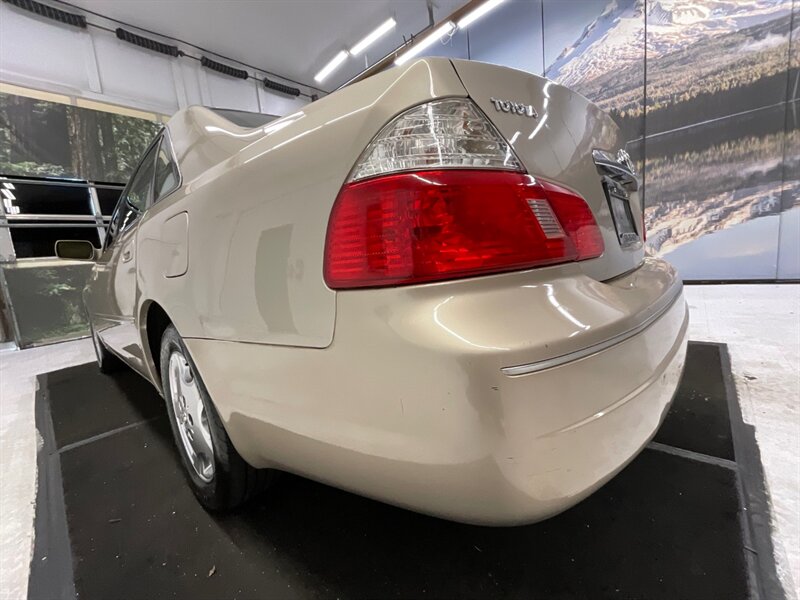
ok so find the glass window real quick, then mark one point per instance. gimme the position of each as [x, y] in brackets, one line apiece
[46, 196]
[108, 198]
[167, 177]
[32, 242]
[135, 198]
[243, 118]
[138, 194]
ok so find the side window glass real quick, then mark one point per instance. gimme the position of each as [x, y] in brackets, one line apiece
[135, 198]
[167, 177]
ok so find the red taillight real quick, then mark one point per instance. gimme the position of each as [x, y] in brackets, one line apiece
[435, 225]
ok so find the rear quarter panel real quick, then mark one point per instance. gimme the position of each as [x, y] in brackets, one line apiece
[257, 220]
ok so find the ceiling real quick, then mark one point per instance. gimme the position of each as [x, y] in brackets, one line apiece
[294, 39]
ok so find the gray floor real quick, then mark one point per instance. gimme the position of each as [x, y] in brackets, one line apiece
[761, 325]
[18, 443]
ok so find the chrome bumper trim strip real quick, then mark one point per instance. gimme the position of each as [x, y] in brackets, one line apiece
[557, 361]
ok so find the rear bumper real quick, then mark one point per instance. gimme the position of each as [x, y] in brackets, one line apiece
[411, 406]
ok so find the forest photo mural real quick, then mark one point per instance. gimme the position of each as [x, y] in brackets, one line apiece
[39, 138]
[44, 138]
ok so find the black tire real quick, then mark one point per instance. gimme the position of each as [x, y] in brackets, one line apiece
[106, 361]
[233, 481]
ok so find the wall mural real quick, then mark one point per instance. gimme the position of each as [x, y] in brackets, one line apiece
[721, 129]
[605, 62]
[718, 147]
[42, 138]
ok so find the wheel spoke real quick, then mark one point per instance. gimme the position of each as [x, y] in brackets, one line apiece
[190, 416]
[202, 443]
[174, 385]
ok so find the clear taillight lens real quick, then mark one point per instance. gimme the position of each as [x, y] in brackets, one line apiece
[438, 195]
[443, 134]
[445, 224]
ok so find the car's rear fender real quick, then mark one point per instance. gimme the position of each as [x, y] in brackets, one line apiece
[257, 221]
[412, 391]
[422, 349]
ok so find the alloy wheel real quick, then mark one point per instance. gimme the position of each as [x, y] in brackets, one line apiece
[190, 416]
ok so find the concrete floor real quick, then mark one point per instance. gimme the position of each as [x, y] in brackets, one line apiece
[18, 443]
[760, 324]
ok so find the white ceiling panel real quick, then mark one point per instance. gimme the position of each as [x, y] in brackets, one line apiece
[293, 38]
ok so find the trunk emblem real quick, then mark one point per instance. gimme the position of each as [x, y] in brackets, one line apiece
[517, 108]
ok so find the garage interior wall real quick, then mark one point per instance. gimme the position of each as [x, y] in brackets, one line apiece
[706, 93]
[87, 105]
[94, 64]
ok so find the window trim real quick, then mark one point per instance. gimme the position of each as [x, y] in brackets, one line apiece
[166, 137]
[155, 144]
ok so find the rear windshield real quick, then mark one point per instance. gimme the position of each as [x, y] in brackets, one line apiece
[242, 118]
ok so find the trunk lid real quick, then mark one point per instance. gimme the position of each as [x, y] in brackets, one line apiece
[558, 144]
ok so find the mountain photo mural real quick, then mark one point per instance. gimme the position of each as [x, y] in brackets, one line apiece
[605, 62]
[718, 141]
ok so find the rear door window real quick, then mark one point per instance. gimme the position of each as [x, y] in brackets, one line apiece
[135, 199]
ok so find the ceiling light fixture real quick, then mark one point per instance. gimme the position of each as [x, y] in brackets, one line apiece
[379, 31]
[476, 14]
[428, 40]
[331, 66]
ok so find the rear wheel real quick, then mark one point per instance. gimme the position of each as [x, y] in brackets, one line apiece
[218, 475]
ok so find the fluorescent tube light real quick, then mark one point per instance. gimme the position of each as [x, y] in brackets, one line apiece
[476, 14]
[381, 30]
[425, 42]
[331, 66]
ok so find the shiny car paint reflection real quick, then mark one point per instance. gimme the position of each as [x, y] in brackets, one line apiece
[432, 397]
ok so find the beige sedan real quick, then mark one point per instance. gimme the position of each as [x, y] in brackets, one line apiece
[429, 288]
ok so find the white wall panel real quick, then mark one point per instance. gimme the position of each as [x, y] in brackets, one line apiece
[94, 64]
[277, 104]
[32, 51]
[190, 76]
[133, 74]
[230, 92]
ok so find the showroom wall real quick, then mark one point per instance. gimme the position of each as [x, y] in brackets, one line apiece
[82, 104]
[40, 137]
[705, 91]
[718, 91]
[92, 63]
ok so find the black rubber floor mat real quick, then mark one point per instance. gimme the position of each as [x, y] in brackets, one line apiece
[85, 403]
[666, 527]
[699, 419]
